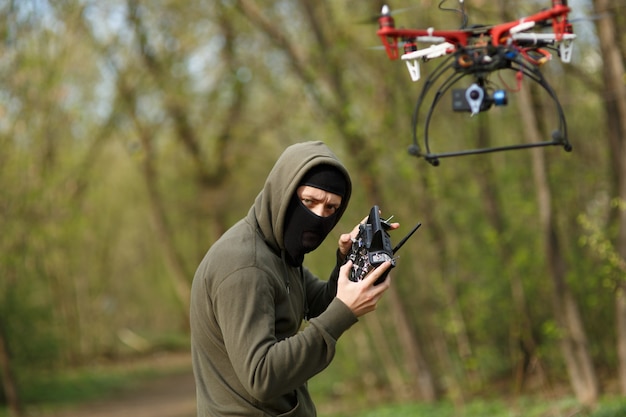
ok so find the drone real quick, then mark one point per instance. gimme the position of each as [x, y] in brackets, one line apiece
[522, 46]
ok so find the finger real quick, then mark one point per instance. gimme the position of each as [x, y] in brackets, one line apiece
[345, 237]
[355, 230]
[344, 271]
[345, 240]
[344, 244]
[383, 286]
[371, 278]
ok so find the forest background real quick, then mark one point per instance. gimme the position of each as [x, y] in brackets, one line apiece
[132, 134]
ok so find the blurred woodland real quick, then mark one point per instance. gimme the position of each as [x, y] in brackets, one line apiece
[133, 133]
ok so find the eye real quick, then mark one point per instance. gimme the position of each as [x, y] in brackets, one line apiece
[332, 208]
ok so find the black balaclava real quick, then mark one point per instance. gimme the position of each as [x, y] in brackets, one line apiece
[305, 230]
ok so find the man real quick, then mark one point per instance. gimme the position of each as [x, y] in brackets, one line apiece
[251, 293]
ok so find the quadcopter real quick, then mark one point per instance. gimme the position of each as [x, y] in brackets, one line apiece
[521, 46]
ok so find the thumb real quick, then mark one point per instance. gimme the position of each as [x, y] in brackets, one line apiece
[344, 271]
[344, 275]
[345, 243]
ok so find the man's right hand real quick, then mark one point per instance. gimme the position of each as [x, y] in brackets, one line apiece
[362, 296]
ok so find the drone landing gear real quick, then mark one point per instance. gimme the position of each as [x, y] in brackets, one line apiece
[478, 100]
[433, 158]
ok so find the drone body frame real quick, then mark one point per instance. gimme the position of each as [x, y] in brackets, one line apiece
[478, 52]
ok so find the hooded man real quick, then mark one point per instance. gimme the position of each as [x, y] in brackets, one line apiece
[251, 293]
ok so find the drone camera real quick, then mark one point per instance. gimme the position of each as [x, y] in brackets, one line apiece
[471, 99]
[475, 99]
[474, 96]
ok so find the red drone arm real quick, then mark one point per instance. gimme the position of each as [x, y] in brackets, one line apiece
[558, 15]
[390, 35]
[499, 34]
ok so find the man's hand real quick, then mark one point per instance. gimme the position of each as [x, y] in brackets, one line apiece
[345, 240]
[362, 296]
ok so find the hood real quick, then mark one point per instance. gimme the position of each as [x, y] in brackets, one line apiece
[272, 202]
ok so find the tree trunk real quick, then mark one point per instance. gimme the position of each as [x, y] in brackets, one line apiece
[364, 355]
[381, 345]
[334, 108]
[210, 170]
[173, 258]
[416, 364]
[523, 344]
[615, 108]
[454, 379]
[574, 344]
[9, 383]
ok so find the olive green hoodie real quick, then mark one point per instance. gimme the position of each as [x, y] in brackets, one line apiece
[250, 355]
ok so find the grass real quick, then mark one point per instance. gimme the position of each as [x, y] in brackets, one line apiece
[52, 391]
[527, 407]
[80, 385]
[479, 408]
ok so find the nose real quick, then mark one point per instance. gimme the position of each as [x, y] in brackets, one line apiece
[319, 210]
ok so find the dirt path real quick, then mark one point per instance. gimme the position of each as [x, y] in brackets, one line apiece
[168, 396]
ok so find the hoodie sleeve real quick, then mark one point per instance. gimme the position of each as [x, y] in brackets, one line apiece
[265, 366]
[320, 293]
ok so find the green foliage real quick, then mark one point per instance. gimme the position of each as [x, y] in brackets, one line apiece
[610, 409]
[493, 408]
[76, 387]
[46, 391]
[127, 147]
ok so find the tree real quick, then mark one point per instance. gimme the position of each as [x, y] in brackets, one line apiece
[574, 343]
[134, 133]
[615, 111]
[335, 106]
[9, 381]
